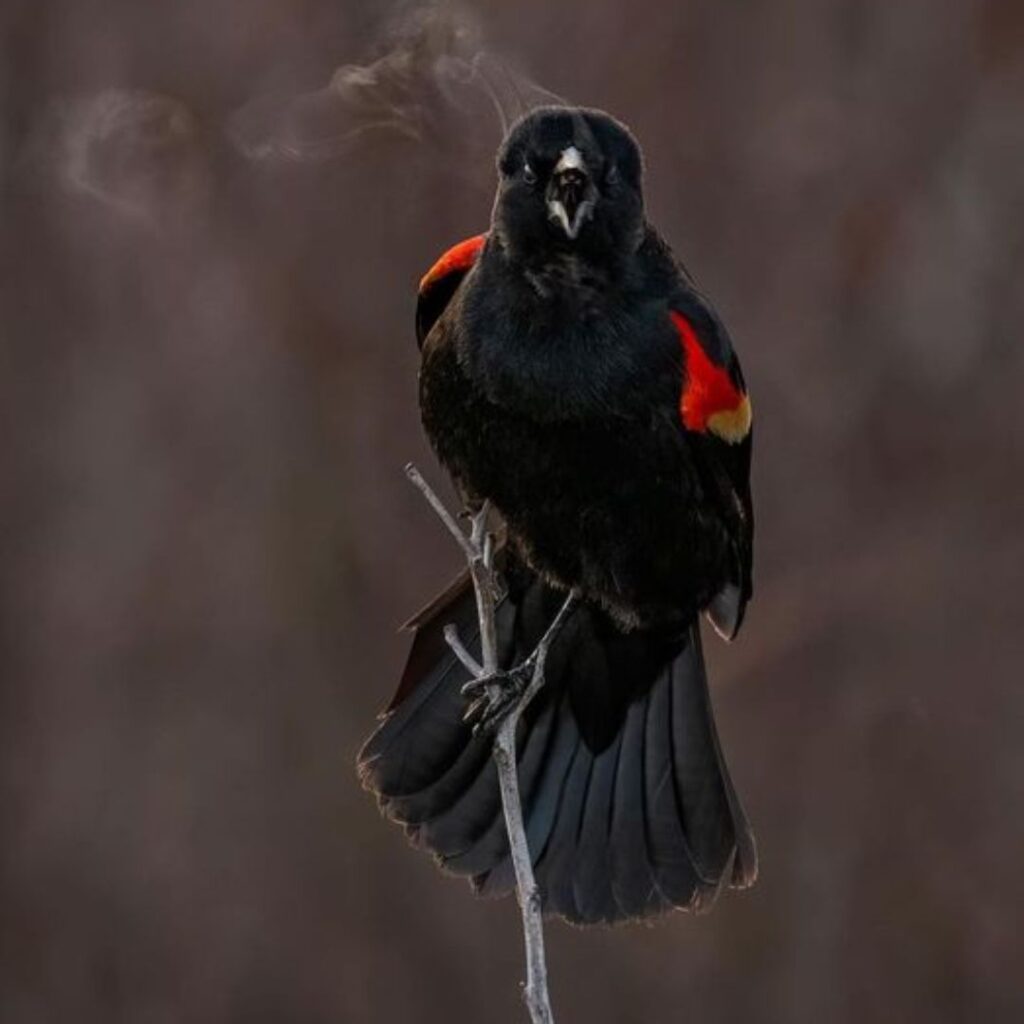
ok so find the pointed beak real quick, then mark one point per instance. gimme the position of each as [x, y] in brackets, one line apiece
[571, 193]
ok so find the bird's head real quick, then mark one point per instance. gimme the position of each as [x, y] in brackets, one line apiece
[570, 180]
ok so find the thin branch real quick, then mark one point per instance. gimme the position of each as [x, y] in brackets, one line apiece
[481, 568]
[438, 506]
[536, 991]
[478, 548]
[451, 636]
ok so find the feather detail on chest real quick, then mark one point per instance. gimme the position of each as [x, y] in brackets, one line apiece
[561, 340]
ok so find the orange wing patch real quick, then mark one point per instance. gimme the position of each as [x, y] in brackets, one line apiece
[458, 257]
[710, 402]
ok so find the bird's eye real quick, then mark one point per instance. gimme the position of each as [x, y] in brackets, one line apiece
[612, 175]
[529, 175]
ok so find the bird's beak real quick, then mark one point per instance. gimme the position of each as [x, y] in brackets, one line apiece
[571, 193]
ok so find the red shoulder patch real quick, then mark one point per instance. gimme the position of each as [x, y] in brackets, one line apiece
[458, 257]
[710, 401]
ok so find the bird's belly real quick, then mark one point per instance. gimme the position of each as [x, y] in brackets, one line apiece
[593, 512]
[601, 506]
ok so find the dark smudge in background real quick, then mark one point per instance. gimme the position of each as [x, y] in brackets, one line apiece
[213, 218]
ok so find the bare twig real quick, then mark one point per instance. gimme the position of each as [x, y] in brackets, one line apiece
[478, 548]
[442, 513]
[536, 991]
[451, 636]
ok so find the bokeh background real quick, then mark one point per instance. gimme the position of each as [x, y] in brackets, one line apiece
[209, 243]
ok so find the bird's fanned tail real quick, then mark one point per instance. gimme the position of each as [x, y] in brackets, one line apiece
[628, 806]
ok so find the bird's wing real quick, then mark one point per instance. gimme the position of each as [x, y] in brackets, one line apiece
[441, 281]
[716, 416]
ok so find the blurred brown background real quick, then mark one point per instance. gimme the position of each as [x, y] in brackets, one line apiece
[208, 254]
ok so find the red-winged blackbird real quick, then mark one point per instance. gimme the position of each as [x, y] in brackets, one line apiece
[573, 376]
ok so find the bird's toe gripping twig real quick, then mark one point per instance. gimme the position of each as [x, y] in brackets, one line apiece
[492, 698]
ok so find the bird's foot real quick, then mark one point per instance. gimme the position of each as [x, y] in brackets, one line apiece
[492, 698]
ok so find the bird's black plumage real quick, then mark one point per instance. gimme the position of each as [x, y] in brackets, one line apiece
[574, 377]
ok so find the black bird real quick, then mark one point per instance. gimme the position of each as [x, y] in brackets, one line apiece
[573, 376]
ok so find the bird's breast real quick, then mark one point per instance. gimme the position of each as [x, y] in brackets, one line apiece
[608, 502]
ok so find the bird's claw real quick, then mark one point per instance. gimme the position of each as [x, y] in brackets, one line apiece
[493, 697]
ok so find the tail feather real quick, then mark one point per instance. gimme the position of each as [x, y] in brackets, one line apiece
[709, 808]
[492, 846]
[633, 881]
[443, 793]
[628, 806]
[417, 743]
[460, 826]
[592, 879]
[556, 865]
[675, 871]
